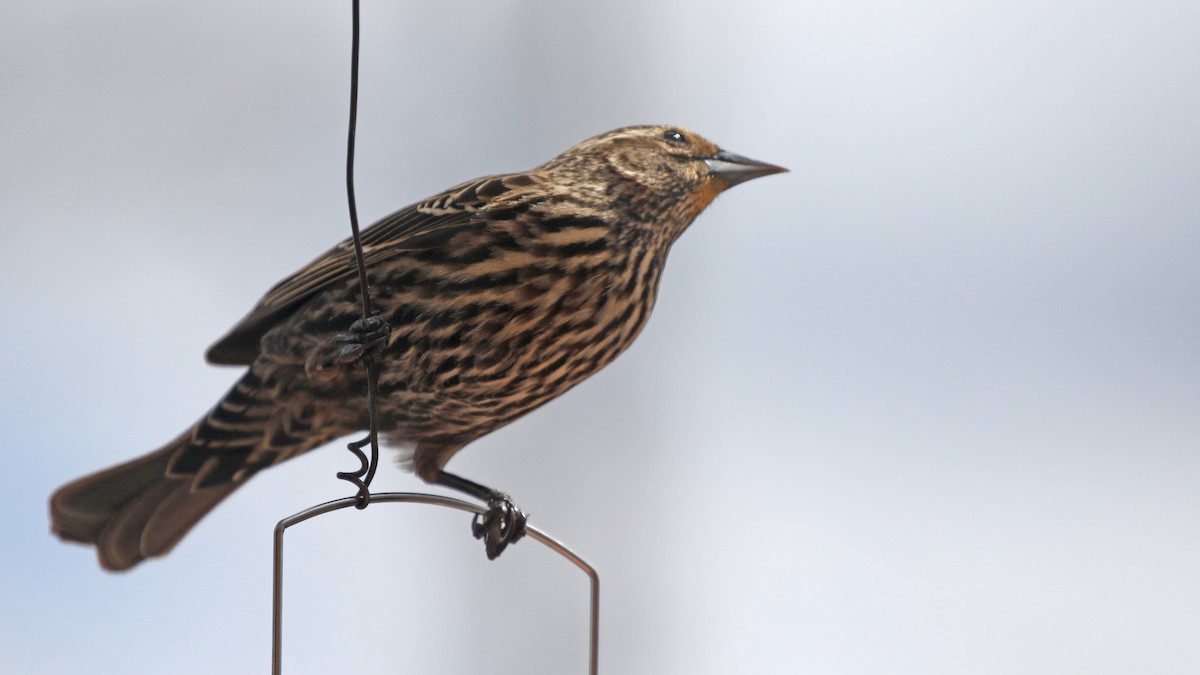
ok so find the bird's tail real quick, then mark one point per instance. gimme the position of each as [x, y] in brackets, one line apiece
[135, 510]
[142, 508]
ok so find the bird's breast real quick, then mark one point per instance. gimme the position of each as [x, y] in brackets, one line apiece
[500, 332]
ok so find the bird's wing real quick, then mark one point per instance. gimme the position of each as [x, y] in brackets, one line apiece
[415, 227]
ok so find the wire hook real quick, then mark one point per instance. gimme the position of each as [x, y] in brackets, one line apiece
[360, 478]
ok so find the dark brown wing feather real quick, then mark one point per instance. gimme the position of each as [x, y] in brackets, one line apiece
[405, 230]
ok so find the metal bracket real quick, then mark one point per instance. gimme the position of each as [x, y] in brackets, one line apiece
[434, 500]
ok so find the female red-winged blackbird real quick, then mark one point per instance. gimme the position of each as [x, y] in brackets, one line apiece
[494, 297]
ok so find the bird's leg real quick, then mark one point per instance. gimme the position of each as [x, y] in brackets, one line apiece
[366, 337]
[502, 525]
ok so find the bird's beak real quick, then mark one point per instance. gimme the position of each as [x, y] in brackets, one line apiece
[735, 169]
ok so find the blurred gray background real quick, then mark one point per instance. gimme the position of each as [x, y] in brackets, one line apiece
[930, 403]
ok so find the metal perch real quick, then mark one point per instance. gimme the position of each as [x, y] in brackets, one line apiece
[435, 500]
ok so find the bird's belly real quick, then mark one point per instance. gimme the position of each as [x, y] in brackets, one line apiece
[465, 371]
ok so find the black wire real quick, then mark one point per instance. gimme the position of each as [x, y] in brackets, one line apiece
[366, 472]
[358, 251]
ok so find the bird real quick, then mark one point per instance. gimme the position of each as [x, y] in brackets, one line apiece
[492, 298]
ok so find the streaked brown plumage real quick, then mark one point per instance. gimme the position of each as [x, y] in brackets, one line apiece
[500, 293]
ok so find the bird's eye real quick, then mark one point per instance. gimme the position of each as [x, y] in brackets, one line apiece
[674, 136]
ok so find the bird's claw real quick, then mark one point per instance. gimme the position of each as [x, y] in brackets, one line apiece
[366, 337]
[503, 524]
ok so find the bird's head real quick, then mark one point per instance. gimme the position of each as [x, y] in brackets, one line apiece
[656, 171]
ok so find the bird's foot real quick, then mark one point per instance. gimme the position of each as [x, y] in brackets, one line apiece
[366, 337]
[503, 524]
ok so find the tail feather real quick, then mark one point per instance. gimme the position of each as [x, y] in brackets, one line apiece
[133, 511]
[179, 513]
[142, 508]
[81, 509]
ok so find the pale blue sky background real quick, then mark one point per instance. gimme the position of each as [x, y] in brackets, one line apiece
[930, 403]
